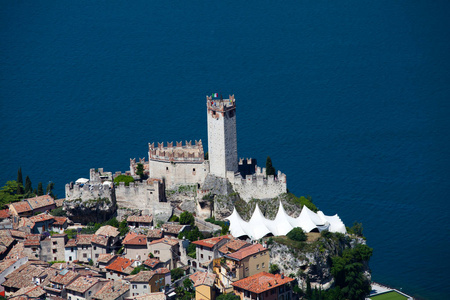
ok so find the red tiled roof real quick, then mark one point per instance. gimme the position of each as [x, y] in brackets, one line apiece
[172, 228]
[140, 219]
[4, 213]
[129, 236]
[143, 276]
[31, 292]
[25, 222]
[21, 206]
[261, 282]
[18, 234]
[203, 278]
[166, 240]
[32, 240]
[155, 233]
[120, 265]
[40, 201]
[16, 251]
[6, 263]
[82, 284]
[71, 243]
[140, 240]
[40, 218]
[247, 251]
[233, 246]
[59, 220]
[151, 262]
[211, 242]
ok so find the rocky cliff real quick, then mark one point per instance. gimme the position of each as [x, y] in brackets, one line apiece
[93, 210]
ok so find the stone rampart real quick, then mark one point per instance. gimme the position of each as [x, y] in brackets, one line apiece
[257, 185]
[179, 153]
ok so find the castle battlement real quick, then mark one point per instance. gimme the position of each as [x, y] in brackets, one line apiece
[220, 105]
[179, 153]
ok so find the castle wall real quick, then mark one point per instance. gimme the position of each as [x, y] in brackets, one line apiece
[258, 187]
[179, 173]
[222, 140]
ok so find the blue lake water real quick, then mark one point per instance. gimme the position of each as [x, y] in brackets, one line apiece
[350, 99]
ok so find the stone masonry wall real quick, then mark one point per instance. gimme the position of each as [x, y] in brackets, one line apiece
[258, 187]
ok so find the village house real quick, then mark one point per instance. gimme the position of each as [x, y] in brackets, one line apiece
[135, 246]
[59, 225]
[146, 282]
[120, 268]
[113, 290]
[153, 264]
[20, 209]
[140, 221]
[4, 214]
[204, 285]
[23, 276]
[105, 259]
[84, 247]
[58, 246]
[167, 250]
[41, 203]
[57, 286]
[42, 223]
[208, 249]
[243, 263]
[6, 243]
[154, 234]
[32, 246]
[264, 286]
[84, 288]
[71, 250]
[29, 292]
[173, 230]
[152, 296]
[7, 266]
[104, 241]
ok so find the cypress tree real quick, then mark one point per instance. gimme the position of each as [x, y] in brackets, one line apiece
[50, 189]
[270, 170]
[28, 188]
[40, 189]
[19, 182]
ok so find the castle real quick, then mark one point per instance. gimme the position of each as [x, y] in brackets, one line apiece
[171, 166]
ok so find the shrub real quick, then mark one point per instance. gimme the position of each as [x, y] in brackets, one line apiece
[297, 234]
[123, 178]
[186, 218]
[274, 269]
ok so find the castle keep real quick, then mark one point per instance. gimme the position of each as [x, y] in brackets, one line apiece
[173, 165]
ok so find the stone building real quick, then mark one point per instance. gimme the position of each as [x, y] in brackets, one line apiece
[264, 286]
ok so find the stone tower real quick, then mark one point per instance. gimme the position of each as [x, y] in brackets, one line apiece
[222, 141]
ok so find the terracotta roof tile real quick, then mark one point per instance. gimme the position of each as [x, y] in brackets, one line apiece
[31, 291]
[41, 218]
[247, 251]
[173, 228]
[82, 284]
[105, 257]
[25, 222]
[22, 207]
[233, 246]
[23, 276]
[140, 240]
[129, 236]
[143, 276]
[6, 263]
[108, 230]
[211, 242]
[100, 239]
[121, 265]
[4, 213]
[84, 239]
[71, 243]
[40, 201]
[152, 262]
[166, 240]
[203, 278]
[16, 251]
[111, 291]
[151, 296]
[154, 233]
[59, 221]
[32, 240]
[261, 282]
[140, 219]
[65, 277]
[18, 234]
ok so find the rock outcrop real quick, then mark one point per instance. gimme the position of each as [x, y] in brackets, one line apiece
[93, 210]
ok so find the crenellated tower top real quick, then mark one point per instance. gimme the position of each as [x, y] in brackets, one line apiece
[179, 153]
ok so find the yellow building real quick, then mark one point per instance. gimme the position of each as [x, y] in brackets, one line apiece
[204, 285]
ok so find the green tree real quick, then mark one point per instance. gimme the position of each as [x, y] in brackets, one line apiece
[297, 234]
[176, 274]
[40, 189]
[123, 178]
[8, 194]
[229, 296]
[356, 229]
[28, 188]
[49, 189]
[123, 227]
[140, 170]
[19, 182]
[274, 269]
[186, 218]
[270, 170]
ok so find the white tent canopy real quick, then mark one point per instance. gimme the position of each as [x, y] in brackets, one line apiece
[259, 226]
[82, 181]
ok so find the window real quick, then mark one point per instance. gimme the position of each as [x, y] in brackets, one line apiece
[257, 267]
[70, 297]
[167, 168]
[156, 251]
[70, 258]
[193, 170]
[55, 243]
[54, 250]
[95, 247]
[145, 286]
[71, 249]
[84, 255]
[90, 292]
[209, 257]
[96, 255]
[134, 287]
[263, 265]
[246, 269]
[254, 256]
[201, 255]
